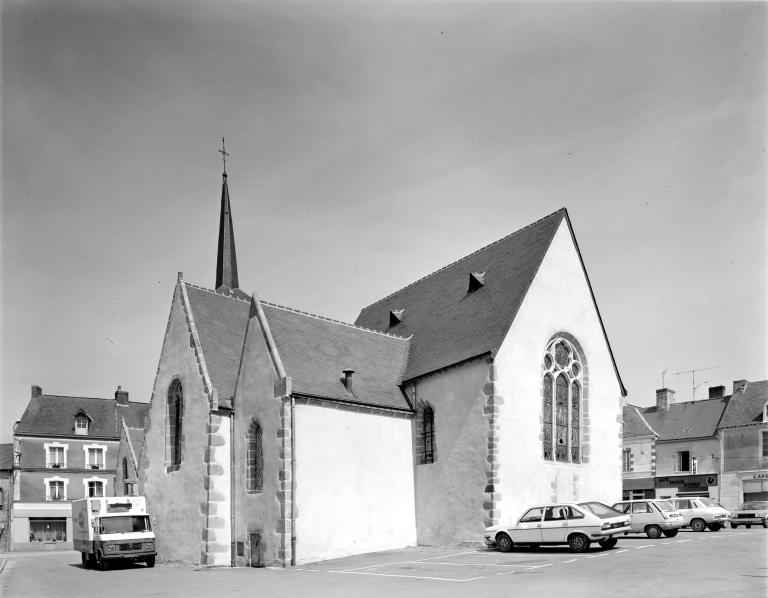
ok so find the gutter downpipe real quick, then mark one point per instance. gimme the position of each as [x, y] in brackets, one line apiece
[233, 544]
[293, 482]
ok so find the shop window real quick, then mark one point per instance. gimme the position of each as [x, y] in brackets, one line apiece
[47, 530]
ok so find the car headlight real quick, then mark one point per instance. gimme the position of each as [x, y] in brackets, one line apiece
[149, 545]
[110, 547]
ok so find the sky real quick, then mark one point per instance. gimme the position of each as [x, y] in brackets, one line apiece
[370, 144]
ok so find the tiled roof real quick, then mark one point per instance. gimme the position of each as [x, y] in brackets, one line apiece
[315, 350]
[746, 407]
[54, 415]
[450, 323]
[635, 424]
[693, 419]
[6, 456]
[221, 321]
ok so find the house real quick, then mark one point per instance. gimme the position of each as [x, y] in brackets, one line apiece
[687, 450]
[743, 433]
[638, 458]
[280, 437]
[66, 449]
[6, 494]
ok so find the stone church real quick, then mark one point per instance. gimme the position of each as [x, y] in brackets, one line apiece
[279, 437]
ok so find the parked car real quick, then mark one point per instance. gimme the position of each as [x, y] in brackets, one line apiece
[651, 517]
[575, 524]
[700, 513]
[754, 511]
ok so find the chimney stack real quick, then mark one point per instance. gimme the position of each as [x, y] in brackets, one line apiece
[121, 396]
[348, 379]
[665, 397]
[716, 392]
[739, 386]
[36, 391]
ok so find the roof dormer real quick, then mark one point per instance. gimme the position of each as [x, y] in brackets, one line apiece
[82, 423]
[395, 317]
[476, 281]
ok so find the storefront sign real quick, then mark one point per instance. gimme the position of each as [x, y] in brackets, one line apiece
[760, 476]
[687, 482]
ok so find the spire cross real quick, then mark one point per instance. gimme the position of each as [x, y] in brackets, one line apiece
[224, 155]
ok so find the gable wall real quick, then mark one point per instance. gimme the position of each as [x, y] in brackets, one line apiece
[557, 301]
[177, 499]
[643, 457]
[450, 492]
[124, 452]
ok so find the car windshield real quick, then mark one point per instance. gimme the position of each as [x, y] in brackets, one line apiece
[125, 524]
[664, 505]
[599, 509]
[708, 502]
[755, 505]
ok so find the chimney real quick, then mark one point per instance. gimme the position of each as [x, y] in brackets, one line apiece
[665, 397]
[121, 396]
[739, 386]
[36, 391]
[348, 379]
[716, 392]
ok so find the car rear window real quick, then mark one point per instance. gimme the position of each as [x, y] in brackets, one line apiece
[708, 502]
[599, 509]
[665, 505]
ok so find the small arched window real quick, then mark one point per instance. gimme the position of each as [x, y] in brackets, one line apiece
[255, 474]
[428, 434]
[125, 468]
[561, 402]
[175, 417]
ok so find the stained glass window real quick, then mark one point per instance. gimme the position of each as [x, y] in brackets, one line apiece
[561, 405]
[175, 416]
[547, 409]
[255, 477]
[428, 434]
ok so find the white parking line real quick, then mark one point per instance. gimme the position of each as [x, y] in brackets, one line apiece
[409, 576]
[597, 556]
[474, 564]
[646, 546]
[685, 540]
[571, 561]
[442, 556]
[620, 551]
[540, 566]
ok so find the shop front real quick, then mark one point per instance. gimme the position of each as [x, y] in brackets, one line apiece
[637, 488]
[687, 485]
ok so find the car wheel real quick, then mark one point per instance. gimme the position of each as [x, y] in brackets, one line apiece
[670, 533]
[653, 531]
[607, 543]
[765, 522]
[150, 561]
[734, 525]
[714, 527]
[698, 525]
[578, 543]
[101, 562]
[504, 542]
[748, 525]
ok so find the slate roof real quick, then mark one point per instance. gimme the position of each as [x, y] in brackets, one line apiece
[635, 424]
[221, 322]
[315, 350]
[449, 324]
[54, 415]
[746, 408]
[6, 456]
[692, 419]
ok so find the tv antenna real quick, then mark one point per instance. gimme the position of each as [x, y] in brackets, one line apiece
[694, 386]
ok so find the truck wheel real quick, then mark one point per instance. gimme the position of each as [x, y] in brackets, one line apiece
[101, 562]
[698, 525]
[653, 531]
[84, 560]
[150, 561]
[670, 533]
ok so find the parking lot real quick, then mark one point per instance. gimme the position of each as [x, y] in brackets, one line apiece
[691, 564]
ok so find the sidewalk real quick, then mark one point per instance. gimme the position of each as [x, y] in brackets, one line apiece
[22, 554]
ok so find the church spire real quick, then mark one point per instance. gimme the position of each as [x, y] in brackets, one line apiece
[226, 260]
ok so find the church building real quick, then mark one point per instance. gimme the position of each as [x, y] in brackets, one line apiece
[279, 437]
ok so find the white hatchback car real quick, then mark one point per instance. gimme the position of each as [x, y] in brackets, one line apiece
[575, 524]
[700, 513]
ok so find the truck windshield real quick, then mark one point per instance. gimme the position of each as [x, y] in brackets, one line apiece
[125, 524]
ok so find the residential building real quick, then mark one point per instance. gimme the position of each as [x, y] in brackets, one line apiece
[66, 449]
[638, 459]
[277, 436]
[744, 444]
[6, 495]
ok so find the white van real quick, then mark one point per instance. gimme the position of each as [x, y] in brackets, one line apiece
[700, 513]
[112, 528]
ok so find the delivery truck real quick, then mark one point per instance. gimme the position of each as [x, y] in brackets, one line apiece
[112, 528]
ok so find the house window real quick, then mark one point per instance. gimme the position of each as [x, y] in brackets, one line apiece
[562, 394]
[764, 434]
[627, 459]
[255, 477]
[428, 434]
[55, 455]
[95, 488]
[684, 461]
[56, 490]
[125, 468]
[47, 530]
[95, 458]
[81, 424]
[175, 406]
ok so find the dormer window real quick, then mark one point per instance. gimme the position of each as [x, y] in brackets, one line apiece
[81, 424]
[765, 412]
[476, 281]
[395, 317]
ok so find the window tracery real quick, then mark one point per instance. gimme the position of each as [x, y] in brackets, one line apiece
[562, 402]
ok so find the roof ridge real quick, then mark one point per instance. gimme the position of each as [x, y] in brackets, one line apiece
[74, 397]
[198, 287]
[327, 319]
[464, 257]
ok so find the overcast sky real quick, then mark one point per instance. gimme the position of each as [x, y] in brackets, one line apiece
[372, 143]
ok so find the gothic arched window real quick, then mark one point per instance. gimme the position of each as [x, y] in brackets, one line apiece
[428, 434]
[175, 417]
[125, 468]
[255, 474]
[561, 402]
